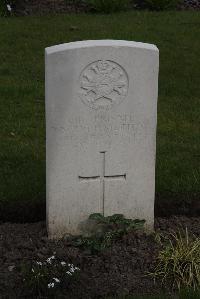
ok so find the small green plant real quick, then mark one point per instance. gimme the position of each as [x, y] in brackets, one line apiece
[105, 230]
[47, 278]
[108, 6]
[179, 261]
[157, 4]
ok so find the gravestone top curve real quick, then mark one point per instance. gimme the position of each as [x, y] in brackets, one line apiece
[99, 43]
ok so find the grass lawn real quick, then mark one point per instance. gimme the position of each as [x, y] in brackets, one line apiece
[22, 131]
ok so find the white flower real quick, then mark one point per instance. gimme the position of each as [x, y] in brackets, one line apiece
[56, 280]
[51, 285]
[50, 258]
[71, 267]
[9, 7]
[69, 273]
[39, 263]
[71, 270]
[32, 270]
[63, 263]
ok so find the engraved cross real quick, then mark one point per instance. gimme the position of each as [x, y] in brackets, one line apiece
[102, 178]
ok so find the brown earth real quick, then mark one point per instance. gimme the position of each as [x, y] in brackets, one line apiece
[41, 7]
[118, 270]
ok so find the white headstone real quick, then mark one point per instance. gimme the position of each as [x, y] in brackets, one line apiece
[101, 111]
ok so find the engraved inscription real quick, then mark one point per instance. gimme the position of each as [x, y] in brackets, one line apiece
[102, 178]
[105, 126]
[103, 83]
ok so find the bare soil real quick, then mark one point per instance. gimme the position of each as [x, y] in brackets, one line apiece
[42, 7]
[118, 270]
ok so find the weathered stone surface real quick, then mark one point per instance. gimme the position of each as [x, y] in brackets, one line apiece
[101, 110]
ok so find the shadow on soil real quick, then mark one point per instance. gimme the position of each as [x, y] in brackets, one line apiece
[166, 205]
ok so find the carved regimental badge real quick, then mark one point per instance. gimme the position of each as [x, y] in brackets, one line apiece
[103, 84]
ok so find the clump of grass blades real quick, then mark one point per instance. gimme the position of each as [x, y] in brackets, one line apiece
[179, 261]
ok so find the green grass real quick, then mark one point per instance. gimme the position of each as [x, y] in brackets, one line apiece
[22, 131]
